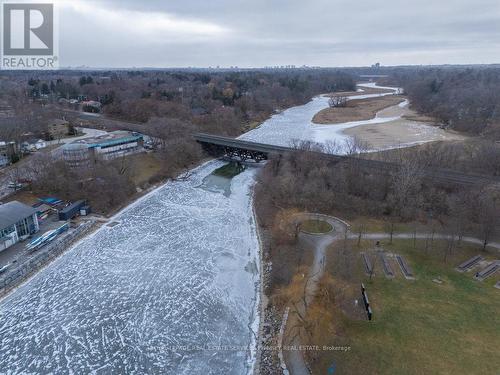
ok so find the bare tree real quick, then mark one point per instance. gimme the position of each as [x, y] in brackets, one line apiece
[337, 101]
[390, 227]
[488, 216]
[360, 229]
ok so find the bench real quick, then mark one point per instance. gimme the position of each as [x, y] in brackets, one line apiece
[367, 263]
[405, 268]
[366, 302]
[488, 271]
[468, 264]
[386, 266]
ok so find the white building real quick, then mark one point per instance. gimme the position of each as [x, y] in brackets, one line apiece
[17, 221]
[105, 147]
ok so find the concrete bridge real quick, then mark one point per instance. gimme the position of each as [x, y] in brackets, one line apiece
[246, 150]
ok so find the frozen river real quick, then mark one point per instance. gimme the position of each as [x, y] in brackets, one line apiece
[157, 293]
[296, 123]
[171, 289]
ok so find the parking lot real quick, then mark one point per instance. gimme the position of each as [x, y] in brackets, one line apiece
[18, 253]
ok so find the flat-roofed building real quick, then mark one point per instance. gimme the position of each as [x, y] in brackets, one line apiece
[105, 147]
[17, 221]
[115, 144]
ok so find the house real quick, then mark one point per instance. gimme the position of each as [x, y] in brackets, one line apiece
[33, 145]
[7, 151]
[17, 221]
[58, 128]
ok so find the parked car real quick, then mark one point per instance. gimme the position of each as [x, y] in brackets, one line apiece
[4, 268]
[15, 185]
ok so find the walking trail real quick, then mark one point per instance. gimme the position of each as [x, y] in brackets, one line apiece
[294, 359]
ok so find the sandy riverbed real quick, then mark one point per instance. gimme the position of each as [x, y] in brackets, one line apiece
[400, 131]
[356, 110]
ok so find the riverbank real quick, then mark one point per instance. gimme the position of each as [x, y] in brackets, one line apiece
[381, 121]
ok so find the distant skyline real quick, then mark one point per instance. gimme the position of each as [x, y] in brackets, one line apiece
[258, 33]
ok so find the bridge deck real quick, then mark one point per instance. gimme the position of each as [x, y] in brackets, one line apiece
[440, 174]
[239, 143]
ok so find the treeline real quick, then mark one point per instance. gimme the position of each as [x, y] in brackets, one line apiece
[465, 99]
[106, 185]
[222, 102]
[303, 181]
[476, 155]
[191, 95]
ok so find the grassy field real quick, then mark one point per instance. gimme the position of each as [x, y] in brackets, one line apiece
[145, 166]
[420, 327]
[315, 226]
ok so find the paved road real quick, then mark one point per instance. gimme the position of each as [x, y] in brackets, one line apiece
[88, 133]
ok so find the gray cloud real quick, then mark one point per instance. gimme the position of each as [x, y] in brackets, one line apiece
[275, 32]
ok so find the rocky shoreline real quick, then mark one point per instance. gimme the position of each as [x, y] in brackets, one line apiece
[267, 361]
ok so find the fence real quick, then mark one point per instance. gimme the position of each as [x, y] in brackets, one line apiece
[13, 278]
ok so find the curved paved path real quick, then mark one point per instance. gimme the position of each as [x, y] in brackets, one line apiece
[319, 243]
[294, 359]
[437, 236]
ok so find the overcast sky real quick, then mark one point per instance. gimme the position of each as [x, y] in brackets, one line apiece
[255, 33]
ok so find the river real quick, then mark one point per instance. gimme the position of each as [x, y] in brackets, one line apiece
[296, 123]
[171, 288]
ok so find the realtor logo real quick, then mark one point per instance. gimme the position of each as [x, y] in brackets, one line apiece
[28, 40]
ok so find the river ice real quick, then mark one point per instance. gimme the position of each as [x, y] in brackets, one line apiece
[177, 273]
[296, 123]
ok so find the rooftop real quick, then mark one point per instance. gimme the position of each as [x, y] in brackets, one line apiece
[108, 139]
[12, 212]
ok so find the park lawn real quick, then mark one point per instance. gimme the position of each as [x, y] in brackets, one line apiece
[315, 226]
[145, 166]
[421, 327]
